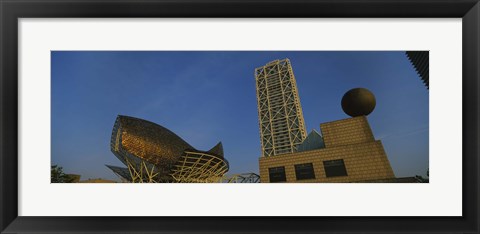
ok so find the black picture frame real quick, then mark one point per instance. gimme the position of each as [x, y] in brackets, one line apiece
[11, 11]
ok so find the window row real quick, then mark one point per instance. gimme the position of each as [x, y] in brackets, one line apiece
[306, 171]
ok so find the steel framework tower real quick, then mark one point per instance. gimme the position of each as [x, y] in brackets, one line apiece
[280, 115]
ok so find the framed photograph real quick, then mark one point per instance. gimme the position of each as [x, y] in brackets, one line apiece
[272, 116]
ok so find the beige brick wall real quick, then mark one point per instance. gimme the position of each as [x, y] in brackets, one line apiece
[365, 161]
[349, 139]
[346, 131]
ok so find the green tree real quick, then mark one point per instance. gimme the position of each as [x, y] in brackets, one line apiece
[57, 175]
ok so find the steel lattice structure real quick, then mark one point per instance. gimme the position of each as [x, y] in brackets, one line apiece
[142, 173]
[154, 154]
[242, 178]
[197, 167]
[280, 115]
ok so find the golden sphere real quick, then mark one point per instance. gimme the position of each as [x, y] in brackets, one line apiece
[358, 102]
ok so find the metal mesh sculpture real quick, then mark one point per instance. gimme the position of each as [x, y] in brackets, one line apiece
[154, 154]
[196, 167]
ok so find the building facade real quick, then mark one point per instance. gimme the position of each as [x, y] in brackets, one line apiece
[420, 61]
[348, 153]
[280, 116]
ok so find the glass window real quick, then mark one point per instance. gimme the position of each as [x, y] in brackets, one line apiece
[277, 174]
[304, 171]
[335, 168]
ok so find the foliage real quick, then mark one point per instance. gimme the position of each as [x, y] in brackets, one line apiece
[58, 176]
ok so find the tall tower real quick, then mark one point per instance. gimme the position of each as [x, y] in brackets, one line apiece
[280, 115]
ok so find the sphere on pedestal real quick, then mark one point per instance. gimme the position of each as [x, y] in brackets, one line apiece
[358, 102]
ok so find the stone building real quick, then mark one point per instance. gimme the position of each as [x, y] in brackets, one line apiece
[348, 153]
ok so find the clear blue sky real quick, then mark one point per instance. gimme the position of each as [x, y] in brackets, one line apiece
[206, 97]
